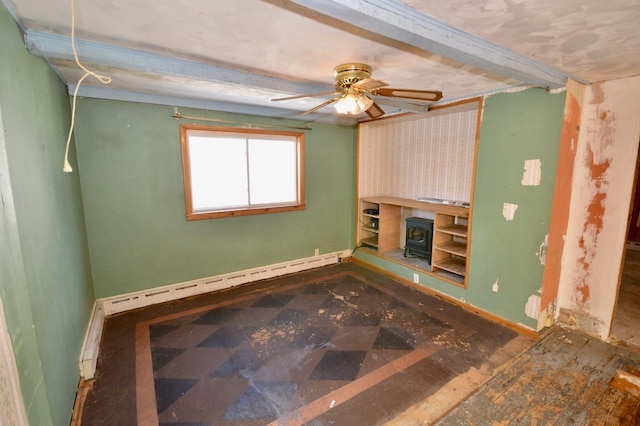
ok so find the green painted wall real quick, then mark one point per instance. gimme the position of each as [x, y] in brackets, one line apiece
[45, 280]
[515, 127]
[131, 173]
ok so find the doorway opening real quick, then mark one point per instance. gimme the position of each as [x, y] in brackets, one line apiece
[624, 327]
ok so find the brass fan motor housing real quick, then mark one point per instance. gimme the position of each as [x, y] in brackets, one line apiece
[348, 74]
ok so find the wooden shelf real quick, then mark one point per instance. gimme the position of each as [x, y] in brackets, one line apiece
[371, 241]
[454, 247]
[450, 245]
[386, 236]
[460, 211]
[452, 264]
[457, 230]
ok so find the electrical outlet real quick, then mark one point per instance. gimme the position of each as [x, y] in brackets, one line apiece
[416, 278]
[317, 252]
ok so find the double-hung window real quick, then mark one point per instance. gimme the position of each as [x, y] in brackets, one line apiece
[234, 172]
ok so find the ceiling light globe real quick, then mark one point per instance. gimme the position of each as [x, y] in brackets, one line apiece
[348, 104]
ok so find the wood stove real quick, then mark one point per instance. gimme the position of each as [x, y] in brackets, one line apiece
[419, 237]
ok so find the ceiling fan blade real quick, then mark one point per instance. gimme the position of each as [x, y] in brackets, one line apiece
[322, 105]
[306, 96]
[374, 111]
[369, 84]
[421, 95]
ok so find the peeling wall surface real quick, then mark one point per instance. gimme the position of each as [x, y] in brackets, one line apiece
[562, 195]
[603, 176]
[510, 219]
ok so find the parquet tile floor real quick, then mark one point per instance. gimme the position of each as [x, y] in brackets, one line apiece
[340, 345]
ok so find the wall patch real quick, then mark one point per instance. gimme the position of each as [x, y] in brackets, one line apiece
[509, 210]
[532, 172]
[532, 308]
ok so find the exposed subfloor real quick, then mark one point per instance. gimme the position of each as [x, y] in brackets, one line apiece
[565, 379]
[336, 345]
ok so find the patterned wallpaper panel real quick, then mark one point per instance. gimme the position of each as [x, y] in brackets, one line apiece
[426, 157]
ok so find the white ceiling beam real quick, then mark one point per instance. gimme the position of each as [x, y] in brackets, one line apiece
[106, 92]
[404, 24]
[54, 46]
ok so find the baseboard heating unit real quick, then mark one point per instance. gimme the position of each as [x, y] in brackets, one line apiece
[117, 304]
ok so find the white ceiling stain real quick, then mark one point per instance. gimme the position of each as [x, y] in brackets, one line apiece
[594, 39]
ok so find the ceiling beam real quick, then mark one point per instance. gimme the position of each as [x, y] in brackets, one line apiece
[404, 24]
[292, 116]
[55, 46]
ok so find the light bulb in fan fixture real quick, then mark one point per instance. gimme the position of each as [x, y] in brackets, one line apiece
[348, 104]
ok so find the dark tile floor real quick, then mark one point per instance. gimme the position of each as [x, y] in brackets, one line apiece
[336, 345]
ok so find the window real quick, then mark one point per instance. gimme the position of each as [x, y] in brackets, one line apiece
[235, 172]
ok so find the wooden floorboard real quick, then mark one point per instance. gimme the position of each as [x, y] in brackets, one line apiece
[564, 379]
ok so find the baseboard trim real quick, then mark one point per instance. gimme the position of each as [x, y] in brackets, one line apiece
[108, 306]
[91, 344]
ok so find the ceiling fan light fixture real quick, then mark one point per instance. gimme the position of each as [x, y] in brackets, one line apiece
[353, 103]
[348, 104]
[353, 87]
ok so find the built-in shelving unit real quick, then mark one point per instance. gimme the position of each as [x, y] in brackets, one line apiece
[429, 159]
[379, 230]
[449, 245]
[369, 223]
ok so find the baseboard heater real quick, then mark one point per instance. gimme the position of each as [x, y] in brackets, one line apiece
[117, 304]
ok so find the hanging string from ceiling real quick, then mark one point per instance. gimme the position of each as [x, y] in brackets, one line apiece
[101, 78]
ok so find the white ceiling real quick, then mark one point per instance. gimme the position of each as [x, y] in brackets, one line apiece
[236, 55]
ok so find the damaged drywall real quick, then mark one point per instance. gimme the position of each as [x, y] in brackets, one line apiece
[602, 180]
[532, 308]
[562, 195]
[542, 253]
[595, 163]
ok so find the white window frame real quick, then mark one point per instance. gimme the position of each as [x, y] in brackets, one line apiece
[253, 135]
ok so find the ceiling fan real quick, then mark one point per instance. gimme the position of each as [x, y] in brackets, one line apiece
[354, 84]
